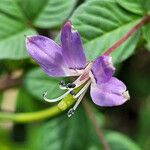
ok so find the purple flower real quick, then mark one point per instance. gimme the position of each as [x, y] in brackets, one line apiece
[69, 60]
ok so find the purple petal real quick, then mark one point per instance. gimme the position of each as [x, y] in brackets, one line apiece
[110, 93]
[103, 69]
[47, 54]
[72, 49]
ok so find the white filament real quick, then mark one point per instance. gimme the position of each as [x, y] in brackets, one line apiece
[80, 94]
[83, 89]
[72, 110]
[79, 100]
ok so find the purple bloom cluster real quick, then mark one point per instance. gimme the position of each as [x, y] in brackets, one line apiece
[69, 60]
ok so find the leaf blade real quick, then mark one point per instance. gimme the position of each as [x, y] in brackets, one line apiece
[101, 24]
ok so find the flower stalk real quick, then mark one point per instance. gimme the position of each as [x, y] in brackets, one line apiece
[144, 21]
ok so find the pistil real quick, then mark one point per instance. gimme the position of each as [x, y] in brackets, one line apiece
[56, 99]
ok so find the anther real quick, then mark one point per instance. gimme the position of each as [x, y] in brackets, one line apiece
[62, 83]
[72, 92]
[70, 112]
[70, 85]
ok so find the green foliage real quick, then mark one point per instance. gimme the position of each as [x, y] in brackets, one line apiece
[13, 30]
[26, 103]
[37, 82]
[119, 141]
[47, 13]
[136, 6]
[77, 133]
[67, 133]
[102, 23]
[18, 18]
[139, 7]
[6, 142]
[146, 32]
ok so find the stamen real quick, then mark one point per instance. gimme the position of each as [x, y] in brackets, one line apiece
[79, 100]
[56, 99]
[72, 110]
[83, 89]
[67, 86]
[72, 92]
[62, 83]
[70, 85]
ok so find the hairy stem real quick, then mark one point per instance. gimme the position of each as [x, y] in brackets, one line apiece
[99, 131]
[145, 20]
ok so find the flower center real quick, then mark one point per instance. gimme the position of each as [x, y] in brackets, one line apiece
[70, 87]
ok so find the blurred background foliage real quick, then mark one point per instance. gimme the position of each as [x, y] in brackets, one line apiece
[22, 82]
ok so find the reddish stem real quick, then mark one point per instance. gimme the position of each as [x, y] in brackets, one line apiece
[145, 20]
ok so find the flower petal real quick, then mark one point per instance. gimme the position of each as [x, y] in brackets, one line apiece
[47, 54]
[110, 93]
[102, 69]
[72, 49]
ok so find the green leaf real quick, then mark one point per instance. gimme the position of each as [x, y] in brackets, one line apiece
[11, 9]
[119, 141]
[6, 142]
[47, 13]
[146, 4]
[12, 46]
[17, 18]
[140, 7]
[37, 82]
[12, 31]
[136, 6]
[75, 133]
[146, 34]
[26, 103]
[101, 24]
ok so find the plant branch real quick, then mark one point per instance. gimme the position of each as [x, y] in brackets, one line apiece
[144, 21]
[8, 82]
[99, 131]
